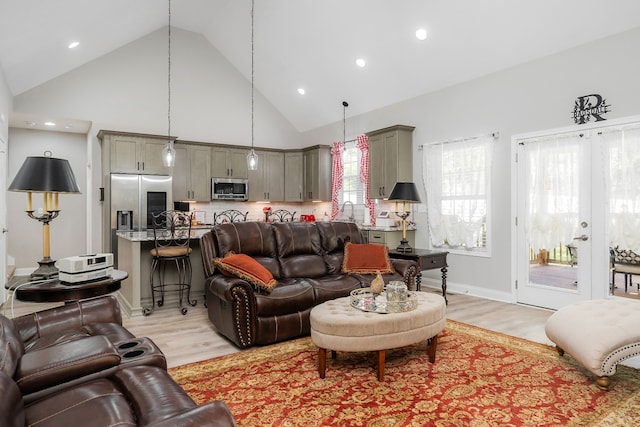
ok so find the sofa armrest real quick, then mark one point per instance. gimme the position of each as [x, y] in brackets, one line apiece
[41, 369]
[405, 266]
[222, 286]
[69, 316]
[215, 414]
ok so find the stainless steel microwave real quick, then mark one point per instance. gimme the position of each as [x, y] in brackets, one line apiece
[229, 189]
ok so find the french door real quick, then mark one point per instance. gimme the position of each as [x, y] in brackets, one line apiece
[567, 200]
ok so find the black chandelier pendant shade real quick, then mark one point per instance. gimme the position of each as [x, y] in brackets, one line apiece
[405, 192]
[45, 175]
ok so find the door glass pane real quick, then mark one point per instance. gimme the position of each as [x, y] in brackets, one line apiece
[553, 174]
[622, 150]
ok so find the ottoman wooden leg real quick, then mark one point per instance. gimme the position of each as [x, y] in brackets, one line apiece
[322, 362]
[603, 383]
[432, 344]
[380, 365]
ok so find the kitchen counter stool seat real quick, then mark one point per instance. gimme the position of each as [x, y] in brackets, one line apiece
[172, 235]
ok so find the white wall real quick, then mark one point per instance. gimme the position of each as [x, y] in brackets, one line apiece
[5, 108]
[533, 96]
[68, 231]
[126, 90]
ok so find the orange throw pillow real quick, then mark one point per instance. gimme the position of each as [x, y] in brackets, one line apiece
[366, 258]
[247, 268]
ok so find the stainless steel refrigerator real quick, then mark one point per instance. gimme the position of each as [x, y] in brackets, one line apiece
[133, 199]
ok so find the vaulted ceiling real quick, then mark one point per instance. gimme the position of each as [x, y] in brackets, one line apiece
[314, 44]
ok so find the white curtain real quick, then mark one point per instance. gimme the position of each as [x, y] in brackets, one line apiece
[457, 179]
[622, 146]
[553, 172]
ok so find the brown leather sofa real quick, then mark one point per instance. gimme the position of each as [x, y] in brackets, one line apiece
[77, 365]
[306, 260]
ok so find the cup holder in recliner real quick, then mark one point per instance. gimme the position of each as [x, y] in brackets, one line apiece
[140, 351]
[128, 344]
[134, 353]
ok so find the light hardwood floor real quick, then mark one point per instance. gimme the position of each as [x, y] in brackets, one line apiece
[192, 337]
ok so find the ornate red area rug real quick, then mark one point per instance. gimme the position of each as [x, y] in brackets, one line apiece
[480, 378]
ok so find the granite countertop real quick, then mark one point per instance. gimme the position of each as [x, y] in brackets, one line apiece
[147, 235]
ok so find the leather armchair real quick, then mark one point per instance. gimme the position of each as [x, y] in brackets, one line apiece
[77, 365]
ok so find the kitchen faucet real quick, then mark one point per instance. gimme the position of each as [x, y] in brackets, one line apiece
[352, 216]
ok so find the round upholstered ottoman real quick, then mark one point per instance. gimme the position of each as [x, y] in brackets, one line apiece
[337, 326]
[598, 333]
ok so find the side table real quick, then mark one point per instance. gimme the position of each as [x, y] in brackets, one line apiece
[55, 291]
[427, 260]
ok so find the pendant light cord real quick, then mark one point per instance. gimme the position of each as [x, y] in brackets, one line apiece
[252, 67]
[169, 80]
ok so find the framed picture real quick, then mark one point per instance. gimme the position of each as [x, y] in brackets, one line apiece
[383, 214]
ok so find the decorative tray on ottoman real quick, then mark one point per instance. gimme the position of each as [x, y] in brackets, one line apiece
[365, 300]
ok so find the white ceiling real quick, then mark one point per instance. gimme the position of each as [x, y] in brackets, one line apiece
[314, 43]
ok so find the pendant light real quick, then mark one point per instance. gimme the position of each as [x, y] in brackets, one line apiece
[252, 157]
[168, 152]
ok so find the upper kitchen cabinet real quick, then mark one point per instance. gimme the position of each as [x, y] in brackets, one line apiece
[124, 152]
[192, 172]
[293, 176]
[229, 162]
[317, 173]
[390, 159]
[267, 182]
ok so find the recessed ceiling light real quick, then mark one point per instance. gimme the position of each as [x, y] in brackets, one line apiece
[49, 124]
[360, 62]
[301, 91]
[421, 34]
[73, 45]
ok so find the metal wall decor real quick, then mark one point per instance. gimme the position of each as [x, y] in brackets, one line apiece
[591, 106]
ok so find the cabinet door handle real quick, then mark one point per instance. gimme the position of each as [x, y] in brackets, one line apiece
[142, 165]
[231, 172]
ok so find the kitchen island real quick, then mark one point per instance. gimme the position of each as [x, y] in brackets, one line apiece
[134, 257]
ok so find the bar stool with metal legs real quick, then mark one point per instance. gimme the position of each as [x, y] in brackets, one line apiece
[172, 234]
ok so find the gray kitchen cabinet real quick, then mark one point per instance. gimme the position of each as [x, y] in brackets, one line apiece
[391, 238]
[229, 162]
[267, 182]
[317, 173]
[125, 152]
[390, 159]
[192, 172]
[293, 176]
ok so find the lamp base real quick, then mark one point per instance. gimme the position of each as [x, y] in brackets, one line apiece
[404, 247]
[47, 269]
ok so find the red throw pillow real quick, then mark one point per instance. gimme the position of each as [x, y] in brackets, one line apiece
[366, 258]
[247, 268]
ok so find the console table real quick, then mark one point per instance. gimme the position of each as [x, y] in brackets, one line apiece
[55, 291]
[427, 260]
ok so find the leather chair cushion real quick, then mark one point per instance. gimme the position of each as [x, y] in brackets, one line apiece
[98, 402]
[299, 249]
[250, 238]
[11, 349]
[290, 296]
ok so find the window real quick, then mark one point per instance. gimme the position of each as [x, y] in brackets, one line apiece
[352, 188]
[457, 178]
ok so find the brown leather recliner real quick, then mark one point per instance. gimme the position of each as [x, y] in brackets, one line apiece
[306, 260]
[77, 365]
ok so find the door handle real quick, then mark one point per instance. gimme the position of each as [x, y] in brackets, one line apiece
[584, 238]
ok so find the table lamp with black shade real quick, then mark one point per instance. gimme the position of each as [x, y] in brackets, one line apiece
[407, 193]
[50, 176]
